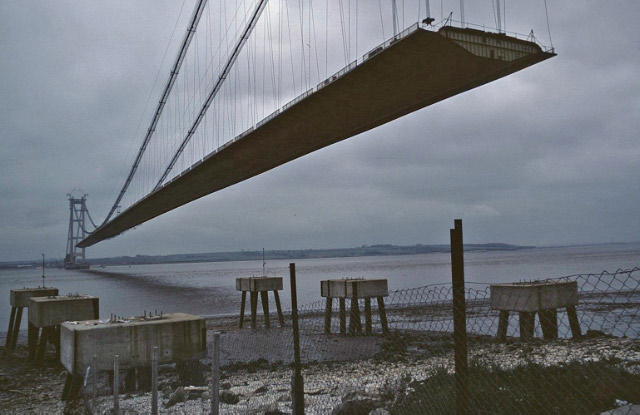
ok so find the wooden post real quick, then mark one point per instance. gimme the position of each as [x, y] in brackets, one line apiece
[265, 307]
[68, 381]
[116, 385]
[297, 381]
[154, 381]
[459, 319]
[576, 332]
[16, 329]
[327, 315]
[42, 346]
[130, 380]
[7, 343]
[215, 374]
[383, 315]
[367, 315]
[278, 307]
[527, 320]
[242, 306]
[254, 308]
[343, 317]
[503, 324]
[32, 342]
[549, 323]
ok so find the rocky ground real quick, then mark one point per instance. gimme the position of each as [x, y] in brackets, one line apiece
[376, 374]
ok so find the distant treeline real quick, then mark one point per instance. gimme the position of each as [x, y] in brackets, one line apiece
[364, 250]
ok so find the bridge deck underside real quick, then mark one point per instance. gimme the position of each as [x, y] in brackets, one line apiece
[417, 71]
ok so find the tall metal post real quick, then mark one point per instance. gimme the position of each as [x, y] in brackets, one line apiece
[154, 381]
[297, 381]
[215, 374]
[459, 320]
[116, 385]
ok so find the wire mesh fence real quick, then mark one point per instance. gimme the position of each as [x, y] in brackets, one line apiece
[526, 352]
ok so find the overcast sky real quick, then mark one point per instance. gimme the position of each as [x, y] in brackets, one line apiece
[547, 156]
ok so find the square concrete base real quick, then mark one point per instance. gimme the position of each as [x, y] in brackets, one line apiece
[178, 337]
[259, 284]
[20, 297]
[51, 311]
[358, 288]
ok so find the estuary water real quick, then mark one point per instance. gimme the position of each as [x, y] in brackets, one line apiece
[209, 288]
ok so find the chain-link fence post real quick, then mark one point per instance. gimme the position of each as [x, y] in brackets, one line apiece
[297, 382]
[459, 320]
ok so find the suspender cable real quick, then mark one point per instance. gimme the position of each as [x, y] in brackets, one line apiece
[195, 18]
[216, 88]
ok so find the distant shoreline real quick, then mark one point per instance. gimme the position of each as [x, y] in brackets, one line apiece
[256, 255]
[362, 251]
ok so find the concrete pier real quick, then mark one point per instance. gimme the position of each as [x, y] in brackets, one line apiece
[262, 286]
[47, 313]
[540, 297]
[355, 289]
[19, 299]
[178, 337]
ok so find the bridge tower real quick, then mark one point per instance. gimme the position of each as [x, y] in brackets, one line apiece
[75, 258]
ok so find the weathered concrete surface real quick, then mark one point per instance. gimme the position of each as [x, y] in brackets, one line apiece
[361, 288]
[178, 337]
[259, 284]
[534, 296]
[20, 297]
[406, 74]
[51, 311]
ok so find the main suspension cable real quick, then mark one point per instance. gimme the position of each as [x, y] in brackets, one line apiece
[195, 18]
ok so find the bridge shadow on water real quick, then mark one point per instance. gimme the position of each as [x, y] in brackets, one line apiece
[135, 293]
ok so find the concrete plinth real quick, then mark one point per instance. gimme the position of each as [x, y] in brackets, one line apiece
[359, 288]
[543, 298]
[259, 284]
[355, 289]
[178, 337]
[262, 286]
[19, 299]
[51, 311]
[47, 313]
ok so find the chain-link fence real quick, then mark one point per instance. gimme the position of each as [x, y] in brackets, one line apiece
[557, 346]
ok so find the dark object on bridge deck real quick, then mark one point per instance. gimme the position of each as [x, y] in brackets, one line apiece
[261, 285]
[541, 297]
[355, 290]
[19, 299]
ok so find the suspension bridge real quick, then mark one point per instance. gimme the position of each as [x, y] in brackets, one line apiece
[260, 83]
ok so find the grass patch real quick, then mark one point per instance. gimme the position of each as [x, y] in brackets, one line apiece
[575, 388]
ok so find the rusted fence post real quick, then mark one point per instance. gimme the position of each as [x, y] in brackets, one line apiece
[154, 381]
[297, 381]
[116, 385]
[459, 320]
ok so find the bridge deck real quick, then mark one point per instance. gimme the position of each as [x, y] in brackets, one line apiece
[419, 69]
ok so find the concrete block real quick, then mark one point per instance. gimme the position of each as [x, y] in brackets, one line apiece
[363, 288]
[534, 296]
[51, 311]
[178, 337]
[20, 297]
[259, 284]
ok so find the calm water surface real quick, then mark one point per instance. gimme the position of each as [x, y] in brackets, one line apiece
[209, 288]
